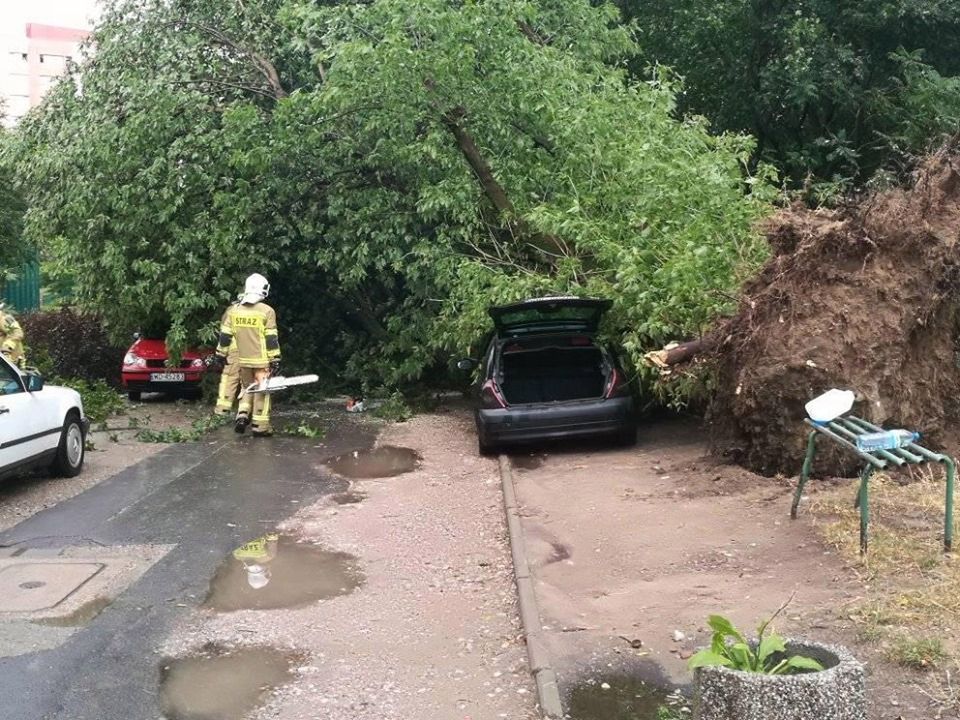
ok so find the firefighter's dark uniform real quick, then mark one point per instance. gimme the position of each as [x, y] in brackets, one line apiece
[253, 328]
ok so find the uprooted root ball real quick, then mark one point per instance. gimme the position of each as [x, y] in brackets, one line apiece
[864, 299]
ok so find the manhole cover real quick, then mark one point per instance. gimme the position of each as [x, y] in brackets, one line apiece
[26, 587]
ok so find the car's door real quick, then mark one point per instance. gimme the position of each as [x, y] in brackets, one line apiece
[27, 427]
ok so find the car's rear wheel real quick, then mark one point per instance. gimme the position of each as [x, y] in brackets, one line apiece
[134, 395]
[71, 451]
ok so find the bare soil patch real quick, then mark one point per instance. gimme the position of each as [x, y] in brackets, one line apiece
[658, 537]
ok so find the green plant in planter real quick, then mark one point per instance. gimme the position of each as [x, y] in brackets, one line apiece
[729, 648]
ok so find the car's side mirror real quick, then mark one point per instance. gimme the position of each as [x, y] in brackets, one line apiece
[34, 382]
[467, 364]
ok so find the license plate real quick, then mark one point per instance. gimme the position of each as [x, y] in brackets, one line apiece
[166, 377]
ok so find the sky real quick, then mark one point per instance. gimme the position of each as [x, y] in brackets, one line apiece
[15, 14]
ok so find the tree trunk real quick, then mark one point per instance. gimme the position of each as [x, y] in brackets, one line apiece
[676, 353]
[546, 244]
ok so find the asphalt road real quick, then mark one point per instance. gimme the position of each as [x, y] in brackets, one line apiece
[205, 499]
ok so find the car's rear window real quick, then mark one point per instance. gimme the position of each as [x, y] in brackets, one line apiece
[549, 314]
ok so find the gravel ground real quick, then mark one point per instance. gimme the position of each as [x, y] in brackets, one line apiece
[433, 632]
[113, 450]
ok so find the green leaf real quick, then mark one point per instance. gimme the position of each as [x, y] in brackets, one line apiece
[799, 662]
[770, 644]
[724, 627]
[708, 658]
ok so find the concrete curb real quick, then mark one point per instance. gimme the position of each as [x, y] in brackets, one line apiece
[548, 692]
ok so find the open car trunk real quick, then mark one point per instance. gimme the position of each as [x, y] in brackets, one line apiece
[552, 373]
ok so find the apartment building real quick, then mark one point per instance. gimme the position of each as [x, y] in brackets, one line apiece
[31, 62]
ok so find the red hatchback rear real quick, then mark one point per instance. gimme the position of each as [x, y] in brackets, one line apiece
[145, 370]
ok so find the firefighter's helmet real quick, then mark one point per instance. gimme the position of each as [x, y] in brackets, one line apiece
[255, 289]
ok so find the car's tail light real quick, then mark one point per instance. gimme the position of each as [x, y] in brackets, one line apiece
[490, 396]
[617, 385]
[134, 360]
[196, 363]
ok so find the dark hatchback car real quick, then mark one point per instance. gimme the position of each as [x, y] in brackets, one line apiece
[545, 376]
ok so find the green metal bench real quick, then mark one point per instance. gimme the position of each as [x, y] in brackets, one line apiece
[844, 431]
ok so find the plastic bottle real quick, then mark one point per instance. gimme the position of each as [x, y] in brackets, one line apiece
[829, 406]
[886, 440]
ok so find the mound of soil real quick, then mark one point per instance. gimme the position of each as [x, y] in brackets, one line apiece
[865, 299]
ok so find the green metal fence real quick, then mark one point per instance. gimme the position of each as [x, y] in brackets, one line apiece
[23, 293]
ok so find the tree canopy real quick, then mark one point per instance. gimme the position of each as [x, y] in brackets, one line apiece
[12, 208]
[393, 167]
[832, 91]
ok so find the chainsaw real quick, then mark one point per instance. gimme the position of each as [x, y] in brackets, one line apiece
[273, 384]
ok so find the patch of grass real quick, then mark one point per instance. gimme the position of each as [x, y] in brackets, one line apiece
[668, 713]
[197, 429]
[918, 653]
[912, 589]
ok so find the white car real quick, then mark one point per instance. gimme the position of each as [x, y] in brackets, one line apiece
[39, 426]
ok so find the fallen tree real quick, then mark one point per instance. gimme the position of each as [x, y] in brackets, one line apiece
[393, 168]
[866, 299]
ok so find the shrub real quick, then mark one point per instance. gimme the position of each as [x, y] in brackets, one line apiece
[66, 343]
[100, 401]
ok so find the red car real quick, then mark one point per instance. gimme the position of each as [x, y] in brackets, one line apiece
[145, 370]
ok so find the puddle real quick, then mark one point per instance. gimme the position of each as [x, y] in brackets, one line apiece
[619, 698]
[221, 685]
[383, 461]
[276, 571]
[347, 498]
[81, 616]
[528, 462]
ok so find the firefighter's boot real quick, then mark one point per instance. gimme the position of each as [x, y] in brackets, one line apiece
[240, 426]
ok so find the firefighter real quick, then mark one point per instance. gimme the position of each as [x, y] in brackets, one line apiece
[11, 337]
[252, 325]
[229, 377]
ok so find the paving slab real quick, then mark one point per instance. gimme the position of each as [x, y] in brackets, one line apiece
[27, 586]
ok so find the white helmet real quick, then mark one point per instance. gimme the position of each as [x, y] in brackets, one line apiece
[255, 289]
[258, 576]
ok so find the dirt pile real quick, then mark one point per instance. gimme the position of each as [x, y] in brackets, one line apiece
[865, 299]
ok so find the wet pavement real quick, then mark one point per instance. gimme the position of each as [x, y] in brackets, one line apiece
[279, 572]
[204, 499]
[221, 684]
[380, 462]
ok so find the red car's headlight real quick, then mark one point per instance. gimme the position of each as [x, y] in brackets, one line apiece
[134, 360]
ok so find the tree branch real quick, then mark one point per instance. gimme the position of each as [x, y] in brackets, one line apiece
[531, 33]
[266, 68]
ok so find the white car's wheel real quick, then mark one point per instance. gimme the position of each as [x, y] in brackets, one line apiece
[71, 451]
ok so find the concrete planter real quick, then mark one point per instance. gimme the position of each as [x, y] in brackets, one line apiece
[836, 693]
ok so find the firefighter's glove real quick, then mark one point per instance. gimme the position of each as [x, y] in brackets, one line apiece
[275, 367]
[216, 362]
